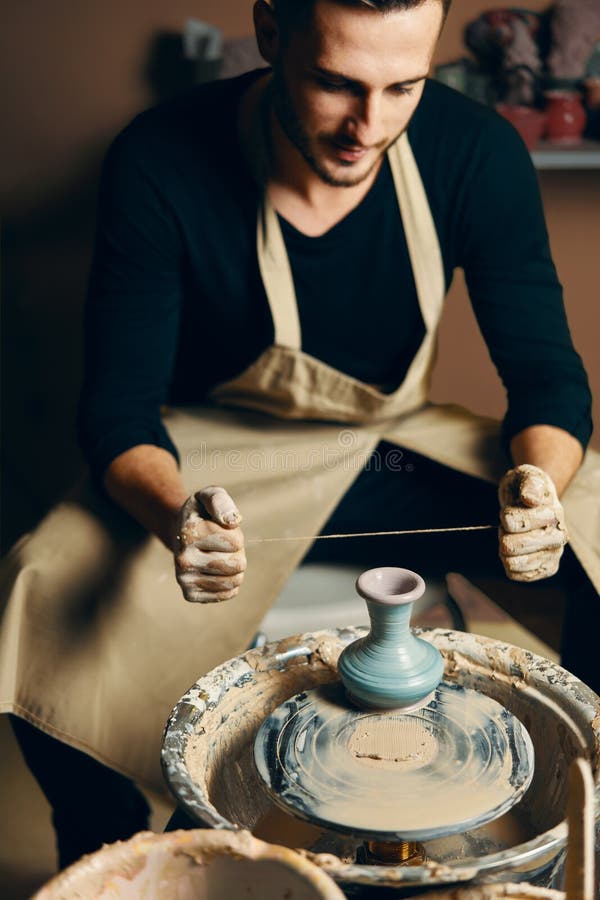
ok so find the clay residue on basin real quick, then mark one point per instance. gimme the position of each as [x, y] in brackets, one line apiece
[219, 756]
[516, 679]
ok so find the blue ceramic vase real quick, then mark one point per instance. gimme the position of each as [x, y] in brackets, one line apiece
[390, 668]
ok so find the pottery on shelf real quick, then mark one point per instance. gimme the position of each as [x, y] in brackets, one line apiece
[390, 668]
[565, 116]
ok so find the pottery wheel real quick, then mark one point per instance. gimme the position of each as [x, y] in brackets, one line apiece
[447, 767]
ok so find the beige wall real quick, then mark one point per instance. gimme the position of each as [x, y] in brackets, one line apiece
[72, 75]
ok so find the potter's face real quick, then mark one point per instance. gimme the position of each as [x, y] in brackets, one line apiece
[345, 87]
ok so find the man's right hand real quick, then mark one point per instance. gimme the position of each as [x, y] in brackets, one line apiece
[209, 547]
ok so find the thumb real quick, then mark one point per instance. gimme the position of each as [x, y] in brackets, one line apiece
[219, 506]
[532, 487]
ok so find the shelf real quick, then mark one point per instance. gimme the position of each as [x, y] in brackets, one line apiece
[585, 155]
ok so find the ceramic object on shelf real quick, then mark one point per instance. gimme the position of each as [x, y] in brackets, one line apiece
[529, 122]
[390, 668]
[565, 117]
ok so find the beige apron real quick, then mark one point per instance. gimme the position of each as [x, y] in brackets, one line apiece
[97, 643]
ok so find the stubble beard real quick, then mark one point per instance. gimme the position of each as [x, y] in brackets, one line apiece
[293, 129]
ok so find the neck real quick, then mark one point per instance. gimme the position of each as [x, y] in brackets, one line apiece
[291, 174]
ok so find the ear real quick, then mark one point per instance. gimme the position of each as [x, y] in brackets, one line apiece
[267, 32]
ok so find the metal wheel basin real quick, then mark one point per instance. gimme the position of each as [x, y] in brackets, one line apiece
[209, 764]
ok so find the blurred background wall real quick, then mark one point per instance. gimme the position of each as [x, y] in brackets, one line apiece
[72, 75]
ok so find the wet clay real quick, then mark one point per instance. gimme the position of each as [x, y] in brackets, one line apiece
[384, 742]
[506, 831]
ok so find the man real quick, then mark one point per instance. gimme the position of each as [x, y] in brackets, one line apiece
[277, 249]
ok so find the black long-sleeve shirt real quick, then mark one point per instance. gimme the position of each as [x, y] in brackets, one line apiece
[175, 264]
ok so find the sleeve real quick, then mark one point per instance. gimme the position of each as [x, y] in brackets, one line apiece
[132, 313]
[515, 292]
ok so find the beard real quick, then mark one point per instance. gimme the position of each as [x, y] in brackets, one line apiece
[293, 128]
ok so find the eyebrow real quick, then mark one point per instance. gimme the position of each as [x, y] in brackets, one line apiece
[338, 76]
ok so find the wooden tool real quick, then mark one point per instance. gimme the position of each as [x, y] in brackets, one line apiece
[579, 878]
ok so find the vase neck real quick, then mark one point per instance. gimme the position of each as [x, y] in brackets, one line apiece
[389, 624]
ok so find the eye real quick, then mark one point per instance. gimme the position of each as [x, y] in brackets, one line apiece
[402, 90]
[331, 86]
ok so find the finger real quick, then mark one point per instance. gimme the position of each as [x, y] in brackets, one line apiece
[548, 566]
[213, 584]
[194, 596]
[217, 539]
[219, 506]
[192, 527]
[544, 560]
[210, 563]
[531, 541]
[519, 518]
[209, 535]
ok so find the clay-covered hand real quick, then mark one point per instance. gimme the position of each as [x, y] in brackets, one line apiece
[533, 532]
[209, 552]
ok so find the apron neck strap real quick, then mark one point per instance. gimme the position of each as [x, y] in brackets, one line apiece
[273, 260]
[277, 277]
[420, 231]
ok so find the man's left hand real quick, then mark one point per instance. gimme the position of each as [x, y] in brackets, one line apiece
[533, 532]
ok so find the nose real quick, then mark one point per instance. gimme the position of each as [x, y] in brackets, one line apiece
[365, 125]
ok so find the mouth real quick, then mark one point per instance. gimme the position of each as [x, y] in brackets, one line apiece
[347, 152]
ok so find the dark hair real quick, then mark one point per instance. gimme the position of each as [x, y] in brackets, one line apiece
[292, 14]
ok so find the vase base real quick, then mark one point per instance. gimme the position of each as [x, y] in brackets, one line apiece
[398, 708]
